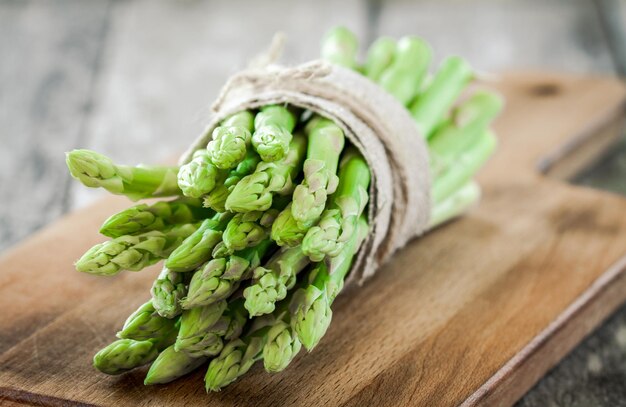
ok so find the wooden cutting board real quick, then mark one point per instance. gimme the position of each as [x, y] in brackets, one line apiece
[474, 313]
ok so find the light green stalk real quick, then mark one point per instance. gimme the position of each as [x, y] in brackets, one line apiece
[126, 354]
[170, 365]
[340, 47]
[467, 123]
[464, 169]
[404, 76]
[273, 126]
[379, 56]
[431, 106]
[272, 281]
[197, 248]
[326, 141]
[145, 323]
[231, 140]
[95, 170]
[167, 291]
[236, 358]
[248, 229]
[310, 306]
[255, 191]
[219, 278]
[455, 205]
[216, 199]
[199, 176]
[144, 218]
[196, 336]
[338, 222]
[282, 343]
[133, 252]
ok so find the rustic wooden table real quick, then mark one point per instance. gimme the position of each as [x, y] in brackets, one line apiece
[133, 78]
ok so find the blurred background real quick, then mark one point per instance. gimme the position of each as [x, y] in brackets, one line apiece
[135, 78]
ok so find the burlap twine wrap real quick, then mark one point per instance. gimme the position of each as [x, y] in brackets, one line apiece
[373, 120]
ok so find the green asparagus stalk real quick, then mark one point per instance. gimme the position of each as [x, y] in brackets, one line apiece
[95, 170]
[219, 278]
[404, 76]
[464, 169]
[282, 343]
[468, 122]
[144, 218]
[199, 176]
[310, 306]
[231, 140]
[272, 132]
[216, 199]
[248, 229]
[338, 222]
[133, 252]
[170, 365]
[237, 357]
[325, 143]
[196, 336]
[167, 291]
[196, 249]
[455, 204]
[126, 354]
[286, 231]
[145, 323]
[379, 57]
[255, 191]
[272, 281]
[340, 47]
[202, 331]
[433, 103]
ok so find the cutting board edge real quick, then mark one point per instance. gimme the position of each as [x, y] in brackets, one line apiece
[521, 372]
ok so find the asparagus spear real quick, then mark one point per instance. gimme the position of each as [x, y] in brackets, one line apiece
[272, 132]
[282, 343]
[405, 74]
[325, 143]
[167, 291]
[272, 281]
[340, 47]
[310, 306]
[95, 170]
[126, 354]
[254, 192]
[339, 221]
[133, 252]
[144, 218]
[170, 365]
[199, 176]
[248, 229]
[432, 104]
[216, 199]
[237, 356]
[231, 140]
[468, 122]
[465, 168]
[145, 324]
[196, 249]
[198, 335]
[455, 204]
[219, 278]
[379, 57]
[201, 334]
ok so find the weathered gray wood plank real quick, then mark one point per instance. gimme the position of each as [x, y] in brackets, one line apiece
[496, 35]
[49, 52]
[166, 61]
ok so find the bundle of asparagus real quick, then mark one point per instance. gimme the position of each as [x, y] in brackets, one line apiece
[267, 219]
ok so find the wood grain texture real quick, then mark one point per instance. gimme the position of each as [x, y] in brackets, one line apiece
[436, 324]
[49, 54]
